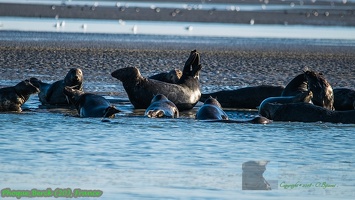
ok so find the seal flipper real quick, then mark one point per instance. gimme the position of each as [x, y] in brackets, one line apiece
[111, 111]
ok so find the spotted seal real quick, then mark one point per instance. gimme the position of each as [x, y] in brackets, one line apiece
[12, 98]
[162, 107]
[184, 94]
[90, 105]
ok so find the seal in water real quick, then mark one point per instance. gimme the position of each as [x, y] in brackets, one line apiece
[301, 97]
[173, 76]
[52, 94]
[248, 97]
[322, 91]
[162, 107]
[212, 111]
[344, 98]
[297, 85]
[90, 105]
[306, 112]
[184, 94]
[12, 98]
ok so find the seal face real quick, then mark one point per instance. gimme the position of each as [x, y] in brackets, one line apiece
[52, 94]
[248, 97]
[211, 109]
[12, 98]
[306, 112]
[184, 94]
[322, 91]
[344, 98]
[162, 107]
[173, 76]
[90, 105]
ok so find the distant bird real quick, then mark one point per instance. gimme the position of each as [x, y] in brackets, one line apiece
[189, 28]
[134, 29]
[84, 26]
[62, 24]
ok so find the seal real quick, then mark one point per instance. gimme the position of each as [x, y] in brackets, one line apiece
[248, 97]
[297, 85]
[212, 111]
[12, 98]
[90, 105]
[52, 94]
[162, 107]
[306, 112]
[184, 94]
[322, 91]
[344, 98]
[173, 76]
[301, 97]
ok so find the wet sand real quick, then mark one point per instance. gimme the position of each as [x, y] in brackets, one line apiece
[246, 62]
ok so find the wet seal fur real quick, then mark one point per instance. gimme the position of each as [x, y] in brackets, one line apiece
[306, 112]
[173, 76]
[212, 111]
[162, 107]
[184, 94]
[344, 99]
[52, 94]
[248, 97]
[297, 85]
[12, 98]
[90, 105]
[322, 91]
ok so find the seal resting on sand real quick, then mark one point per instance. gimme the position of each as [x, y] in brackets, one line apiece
[212, 111]
[248, 97]
[297, 85]
[173, 76]
[12, 98]
[52, 94]
[162, 107]
[184, 94]
[306, 112]
[322, 91]
[344, 99]
[90, 105]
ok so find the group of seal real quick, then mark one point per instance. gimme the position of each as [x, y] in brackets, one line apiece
[307, 98]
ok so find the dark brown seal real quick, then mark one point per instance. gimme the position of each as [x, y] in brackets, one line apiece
[248, 97]
[12, 98]
[306, 112]
[52, 94]
[297, 85]
[322, 91]
[173, 76]
[90, 105]
[184, 94]
[162, 107]
[344, 98]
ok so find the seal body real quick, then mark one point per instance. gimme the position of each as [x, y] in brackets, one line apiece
[173, 76]
[52, 94]
[90, 105]
[211, 109]
[322, 91]
[12, 98]
[306, 112]
[248, 97]
[297, 85]
[184, 94]
[344, 98]
[162, 107]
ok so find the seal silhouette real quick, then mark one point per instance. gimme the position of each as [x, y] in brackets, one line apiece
[344, 98]
[90, 105]
[306, 112]
[162, 107]
[52, 94]
[12, 98]
[248, 97]
[322, 90]
[173, 76]
[184, 94]
[212, 111]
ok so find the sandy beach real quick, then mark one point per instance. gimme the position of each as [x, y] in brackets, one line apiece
[241, 63]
